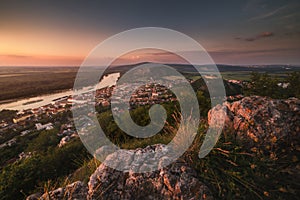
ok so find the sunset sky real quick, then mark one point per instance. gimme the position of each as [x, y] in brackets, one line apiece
[62, 33]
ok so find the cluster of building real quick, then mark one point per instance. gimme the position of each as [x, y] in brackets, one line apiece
[24, 155]
[67, 132]
[238, 82]
[47, 126]
[3, 124]
[8, 143]
[57, 106]
[25, 118]
[145, 95]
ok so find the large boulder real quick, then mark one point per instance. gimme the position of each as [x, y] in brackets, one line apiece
[177, 181]
[259, 121]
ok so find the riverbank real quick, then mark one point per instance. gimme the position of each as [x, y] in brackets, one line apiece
[32, 96]
[34, 81]
[41, 100]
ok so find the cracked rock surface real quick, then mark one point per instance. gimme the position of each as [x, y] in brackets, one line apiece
[259, 121]
[176, 181]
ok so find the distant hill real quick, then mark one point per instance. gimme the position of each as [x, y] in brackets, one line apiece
[186, 68]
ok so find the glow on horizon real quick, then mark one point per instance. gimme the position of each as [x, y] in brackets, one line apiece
[39, 47]
[63, 34]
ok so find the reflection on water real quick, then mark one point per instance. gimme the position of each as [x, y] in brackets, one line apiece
[38, 101]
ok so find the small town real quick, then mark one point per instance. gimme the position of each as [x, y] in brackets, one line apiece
[41, 118]
[149, 100]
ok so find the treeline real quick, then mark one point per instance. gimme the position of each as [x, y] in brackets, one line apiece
[263, 84]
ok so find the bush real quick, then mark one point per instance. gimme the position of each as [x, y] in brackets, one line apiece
[262, 84]
[22, 177]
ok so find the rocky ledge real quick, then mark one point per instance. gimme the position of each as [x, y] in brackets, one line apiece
[259, 121]
[177, 181]
[255, 121]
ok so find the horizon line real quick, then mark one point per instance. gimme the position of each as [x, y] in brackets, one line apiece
[127, 64]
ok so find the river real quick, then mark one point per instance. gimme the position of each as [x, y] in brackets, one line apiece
[41, 100]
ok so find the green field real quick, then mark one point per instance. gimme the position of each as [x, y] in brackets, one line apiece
[18, 82]
[245, 75]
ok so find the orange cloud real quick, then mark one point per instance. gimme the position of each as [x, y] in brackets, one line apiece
[43, 60]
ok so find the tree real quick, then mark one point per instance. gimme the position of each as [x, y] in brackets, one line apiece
[294, 84]
[264, 85]
[204, 103]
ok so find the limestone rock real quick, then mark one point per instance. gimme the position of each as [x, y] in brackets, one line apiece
[177, 181]
[259, 121]
[76, 190]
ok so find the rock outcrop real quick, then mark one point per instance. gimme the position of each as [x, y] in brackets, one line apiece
[176, 181]
[259, 121]
[256, 122]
